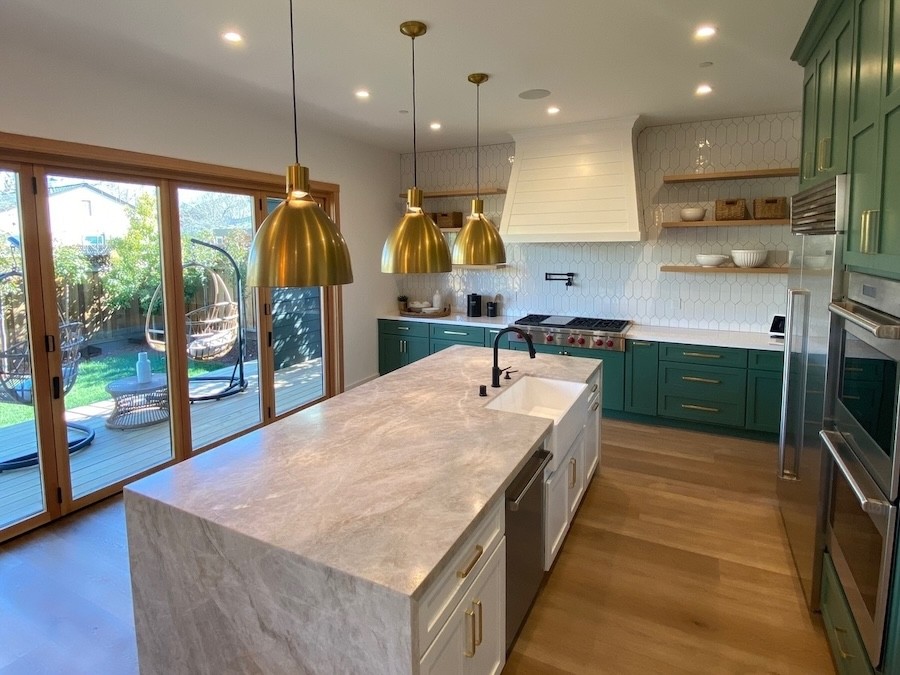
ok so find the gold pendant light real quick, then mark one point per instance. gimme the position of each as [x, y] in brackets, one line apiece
[416, 245]
[478, 242]
[297, 244]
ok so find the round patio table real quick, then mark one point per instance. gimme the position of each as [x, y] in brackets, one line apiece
[138, 404]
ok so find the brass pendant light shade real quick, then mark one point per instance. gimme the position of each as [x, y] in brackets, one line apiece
[478, 242]
[416, 245]
[297, 244]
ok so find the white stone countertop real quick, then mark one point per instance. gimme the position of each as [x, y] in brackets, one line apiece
[695, 336]
[380, 482]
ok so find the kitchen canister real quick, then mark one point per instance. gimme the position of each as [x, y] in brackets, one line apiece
[473, 305]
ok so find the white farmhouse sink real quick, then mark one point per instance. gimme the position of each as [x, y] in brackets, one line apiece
[559, 400]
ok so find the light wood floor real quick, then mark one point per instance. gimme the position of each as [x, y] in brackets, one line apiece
[676, 563]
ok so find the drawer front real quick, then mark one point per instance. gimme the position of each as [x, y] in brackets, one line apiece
[449, 586]
[701, 410]
[863, 370]
[490, 334]
[716, 356]
[847, 648]
[704, 382]
[444, 331]
[760, 359]
[410, 328]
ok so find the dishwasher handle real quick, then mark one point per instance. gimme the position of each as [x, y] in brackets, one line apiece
[544, 458]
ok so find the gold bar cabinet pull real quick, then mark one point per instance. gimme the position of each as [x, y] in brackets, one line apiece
[476, 556]
[470, 633]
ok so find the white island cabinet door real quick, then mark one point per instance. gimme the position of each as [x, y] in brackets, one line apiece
[556, 512]
[473, 641]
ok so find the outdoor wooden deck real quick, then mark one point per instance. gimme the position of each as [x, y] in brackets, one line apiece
[117, 454]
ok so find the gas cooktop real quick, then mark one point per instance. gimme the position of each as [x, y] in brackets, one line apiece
[574, 322]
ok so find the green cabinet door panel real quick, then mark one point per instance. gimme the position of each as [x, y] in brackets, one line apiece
[862, 191]
[808, 138]
[389, 353]
[718, 356]
[438, 345]
[396, 351]
[415, 348]
[764, 400]
[867, 66]
[490, 334]
[710, 383]
[641, 366]
[762, 359]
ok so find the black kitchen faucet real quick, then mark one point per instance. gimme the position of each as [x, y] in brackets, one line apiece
[496, 370]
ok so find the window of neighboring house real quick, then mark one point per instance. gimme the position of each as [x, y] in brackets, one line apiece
[88, 211]
[94, 239]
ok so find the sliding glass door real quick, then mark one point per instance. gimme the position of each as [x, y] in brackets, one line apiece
[22, 493]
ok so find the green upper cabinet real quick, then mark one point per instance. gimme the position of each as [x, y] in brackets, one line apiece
[826, 97]
[873, 229]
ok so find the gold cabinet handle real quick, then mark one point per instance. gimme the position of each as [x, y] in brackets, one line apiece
[704, 380]
[702, 355]
[454, 332]
[851, 369]
[402, 327]
[850, 398]
[479, 622]
[824, 149]
[573, 472]
[869, 231]
[476, 556]
[838, 634]
[595, 406]
[701, 408]
[470, 634]
[635, 343]
[595, 388]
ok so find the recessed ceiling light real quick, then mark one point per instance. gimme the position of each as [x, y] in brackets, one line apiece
[362, 93]
[552, 110]
[703, 90]
[704, 31]
[532, 94]
[231, 36]
[435, 125]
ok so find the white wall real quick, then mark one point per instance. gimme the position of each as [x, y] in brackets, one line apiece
[623, 280]
[53, 97]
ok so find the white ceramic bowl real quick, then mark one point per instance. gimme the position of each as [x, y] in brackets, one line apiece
[419, 304]
[749, 257]
[693, 213]
[710, 259]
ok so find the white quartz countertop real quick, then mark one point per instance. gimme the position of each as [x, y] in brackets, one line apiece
[637, 331]
[379, 482]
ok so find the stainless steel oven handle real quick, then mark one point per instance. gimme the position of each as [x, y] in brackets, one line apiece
[792, 294]
[887, 330]
[832, 440]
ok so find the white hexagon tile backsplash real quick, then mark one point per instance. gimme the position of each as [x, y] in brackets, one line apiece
[623, 280]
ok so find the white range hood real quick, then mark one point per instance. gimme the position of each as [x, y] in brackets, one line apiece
[575, 182]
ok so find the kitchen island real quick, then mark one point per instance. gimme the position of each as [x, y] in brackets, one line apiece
[309, 545]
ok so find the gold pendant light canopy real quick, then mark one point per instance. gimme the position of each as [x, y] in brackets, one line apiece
[416, 245]
[297, 244]
[478, 242]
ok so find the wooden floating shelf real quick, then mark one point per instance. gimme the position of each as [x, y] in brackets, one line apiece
[786, 172]
[460, 193]
[697, 269]
[726, 223]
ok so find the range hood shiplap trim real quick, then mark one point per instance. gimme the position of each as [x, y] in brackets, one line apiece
[574, 183]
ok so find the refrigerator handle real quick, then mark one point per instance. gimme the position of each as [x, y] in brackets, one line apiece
[792, 295]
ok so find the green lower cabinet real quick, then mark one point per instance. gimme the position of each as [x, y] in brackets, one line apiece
[764, 400]
[438, 345]
[395, 351]
[641, 376]
[702, 393]
[613, 369]
[490, 334]
[847, 648]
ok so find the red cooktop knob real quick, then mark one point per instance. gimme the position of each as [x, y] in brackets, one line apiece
[598, 342]
[581, 340]
[571, 339]
[610, 343]
[549, 338]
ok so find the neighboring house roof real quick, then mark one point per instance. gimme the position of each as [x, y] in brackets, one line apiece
[61, 189]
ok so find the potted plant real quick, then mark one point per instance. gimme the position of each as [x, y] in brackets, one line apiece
[401, 302]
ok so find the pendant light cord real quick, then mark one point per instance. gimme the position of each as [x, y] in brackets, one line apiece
[294, 88]
[477, 141]
[415, 159]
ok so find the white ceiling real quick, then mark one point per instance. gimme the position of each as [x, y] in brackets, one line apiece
[599, 58]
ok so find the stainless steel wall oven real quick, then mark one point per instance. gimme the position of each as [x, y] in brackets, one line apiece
[861, 435]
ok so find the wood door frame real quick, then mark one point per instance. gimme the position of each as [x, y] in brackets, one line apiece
[33, 157]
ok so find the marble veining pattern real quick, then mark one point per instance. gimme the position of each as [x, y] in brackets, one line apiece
[379, 482]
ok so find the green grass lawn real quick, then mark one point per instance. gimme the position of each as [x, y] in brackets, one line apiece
[93, 376]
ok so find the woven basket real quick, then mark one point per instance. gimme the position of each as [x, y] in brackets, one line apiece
[770, 207]
[731, 209]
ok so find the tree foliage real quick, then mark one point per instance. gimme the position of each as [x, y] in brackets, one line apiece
[133, 268]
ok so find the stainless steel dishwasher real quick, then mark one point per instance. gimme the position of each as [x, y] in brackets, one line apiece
[524, 541]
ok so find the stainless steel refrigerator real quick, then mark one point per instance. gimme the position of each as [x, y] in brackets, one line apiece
[818, 217]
